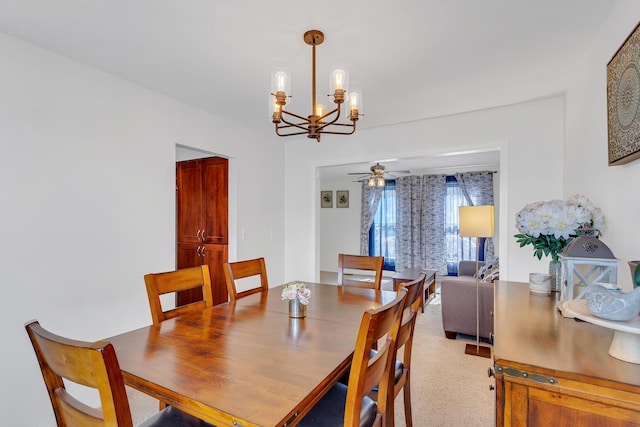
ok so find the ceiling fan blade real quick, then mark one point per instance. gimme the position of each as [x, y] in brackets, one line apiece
[359, 173]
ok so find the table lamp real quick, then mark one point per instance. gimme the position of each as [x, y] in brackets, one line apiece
[477, 221]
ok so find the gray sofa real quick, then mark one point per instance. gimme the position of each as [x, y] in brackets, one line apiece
[458, 296]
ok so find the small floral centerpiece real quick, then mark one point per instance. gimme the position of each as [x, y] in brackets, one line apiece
[296, 291]
[550, 226]
[298, 295]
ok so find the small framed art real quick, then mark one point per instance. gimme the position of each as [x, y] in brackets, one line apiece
[623, 101]
[342, 199]
[326, 199]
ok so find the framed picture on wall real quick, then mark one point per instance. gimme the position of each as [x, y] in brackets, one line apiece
[623, 101]
[342, 199]
[326, 199]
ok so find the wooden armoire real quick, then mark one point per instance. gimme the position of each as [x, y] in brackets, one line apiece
[202, 222]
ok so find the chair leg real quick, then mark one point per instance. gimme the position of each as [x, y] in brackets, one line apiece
[450, 335]
[407, 401]
[390, 415]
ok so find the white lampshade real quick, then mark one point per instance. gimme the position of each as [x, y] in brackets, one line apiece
[476, 221]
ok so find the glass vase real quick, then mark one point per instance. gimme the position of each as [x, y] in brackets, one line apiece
[555, 271]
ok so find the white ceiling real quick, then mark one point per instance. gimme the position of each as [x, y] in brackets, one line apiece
[414, 58]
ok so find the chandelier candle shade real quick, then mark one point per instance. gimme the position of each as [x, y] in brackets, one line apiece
[477, 221]
[318, 122]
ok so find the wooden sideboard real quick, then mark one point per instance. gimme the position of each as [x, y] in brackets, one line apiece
[551, 370]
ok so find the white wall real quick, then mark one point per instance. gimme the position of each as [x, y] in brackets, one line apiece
[88, 189]
[339, 227]
[530, 139]
[613, 189]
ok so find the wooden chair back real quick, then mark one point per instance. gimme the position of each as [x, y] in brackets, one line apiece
[242, 269]
[360, 262]
[378, 331]
[405, 339]
[93, 365]
[174, 281]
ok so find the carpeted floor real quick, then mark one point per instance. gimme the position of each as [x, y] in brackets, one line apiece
[448, 387]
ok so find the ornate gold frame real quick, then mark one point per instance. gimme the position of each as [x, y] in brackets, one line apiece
[623, 101]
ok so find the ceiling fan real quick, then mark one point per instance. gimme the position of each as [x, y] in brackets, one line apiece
[377, 176]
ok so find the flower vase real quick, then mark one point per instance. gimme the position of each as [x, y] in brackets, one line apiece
[297, 310]
[555, 270]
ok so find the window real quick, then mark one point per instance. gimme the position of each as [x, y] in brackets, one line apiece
[457, 248]
[382, 235]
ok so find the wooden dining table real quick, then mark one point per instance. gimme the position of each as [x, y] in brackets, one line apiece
[246, 362]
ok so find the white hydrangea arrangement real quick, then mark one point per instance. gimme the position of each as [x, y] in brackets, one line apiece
[296, 290]
[549, 226]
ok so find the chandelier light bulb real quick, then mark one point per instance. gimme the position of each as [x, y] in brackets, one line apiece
[353, 100]
[281, 81]
[339, 77]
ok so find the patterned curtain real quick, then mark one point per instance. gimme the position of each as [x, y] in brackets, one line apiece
[408, 222]
[477, 188]
[434, 190]
[382, 235]
[370, 200]
[420, 225]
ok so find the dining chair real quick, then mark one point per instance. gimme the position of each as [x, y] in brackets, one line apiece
[360, 262]
[349, 405]
[174, 281]
[401, 374]
[93, 365]
[234, 271]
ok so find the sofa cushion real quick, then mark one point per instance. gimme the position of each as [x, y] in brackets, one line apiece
[468, 267]
[489, 271]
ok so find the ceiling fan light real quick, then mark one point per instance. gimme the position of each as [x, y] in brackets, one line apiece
[380, 181]
[371, 182]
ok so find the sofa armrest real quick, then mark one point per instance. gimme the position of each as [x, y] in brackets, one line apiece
[458, 304]
[468, 267]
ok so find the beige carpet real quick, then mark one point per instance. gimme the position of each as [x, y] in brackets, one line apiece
[448, 388]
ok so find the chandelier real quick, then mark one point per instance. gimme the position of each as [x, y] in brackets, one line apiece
[318, 122]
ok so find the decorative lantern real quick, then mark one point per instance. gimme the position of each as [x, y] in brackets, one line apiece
[586, 260]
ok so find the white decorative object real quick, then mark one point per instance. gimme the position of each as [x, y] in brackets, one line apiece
[612, 304]
[540, 283]
[585, 261]
[626, 339]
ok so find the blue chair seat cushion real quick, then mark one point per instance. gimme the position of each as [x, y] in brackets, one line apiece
[173, 417]
[329, 411]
